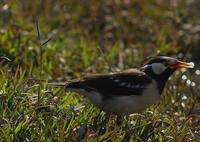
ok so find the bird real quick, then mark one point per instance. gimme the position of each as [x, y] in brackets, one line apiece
[129, 91]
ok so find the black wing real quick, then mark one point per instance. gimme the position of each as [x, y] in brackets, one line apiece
[122, 83]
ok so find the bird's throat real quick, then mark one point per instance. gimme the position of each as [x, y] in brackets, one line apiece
[161, 79]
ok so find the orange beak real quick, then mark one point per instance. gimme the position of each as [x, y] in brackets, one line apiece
[180, 64]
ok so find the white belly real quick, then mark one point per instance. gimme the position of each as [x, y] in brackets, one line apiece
[133, 103]
[94, 97]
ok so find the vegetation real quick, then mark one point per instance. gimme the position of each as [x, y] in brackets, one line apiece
[55, 41]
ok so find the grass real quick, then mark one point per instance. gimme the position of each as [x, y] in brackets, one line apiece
[124, 37]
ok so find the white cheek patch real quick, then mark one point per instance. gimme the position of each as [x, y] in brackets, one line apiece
[158, 68]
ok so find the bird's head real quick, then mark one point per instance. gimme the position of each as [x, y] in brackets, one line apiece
[164, 66]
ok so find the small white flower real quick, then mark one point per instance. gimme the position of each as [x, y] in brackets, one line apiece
[116, 80]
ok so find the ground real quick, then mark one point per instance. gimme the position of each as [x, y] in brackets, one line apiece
[56, 41]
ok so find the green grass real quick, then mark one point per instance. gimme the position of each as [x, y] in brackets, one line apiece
[121, 37]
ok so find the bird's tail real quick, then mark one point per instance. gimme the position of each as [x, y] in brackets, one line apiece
[57, 84]
[74, 84]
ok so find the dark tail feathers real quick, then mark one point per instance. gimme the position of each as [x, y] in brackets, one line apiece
[75, 84]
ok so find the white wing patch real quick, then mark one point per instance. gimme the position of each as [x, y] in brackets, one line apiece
[122, 84]
[137, 86]
[111, 77]
[116, 80]
[127, 84]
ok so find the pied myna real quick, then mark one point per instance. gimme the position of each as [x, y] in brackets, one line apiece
[128, 91]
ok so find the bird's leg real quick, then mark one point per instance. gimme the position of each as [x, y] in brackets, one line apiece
[106, 118]
[104, 122]
[95, 122]
[127, 128]
[119, 120]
